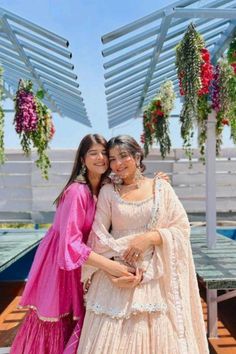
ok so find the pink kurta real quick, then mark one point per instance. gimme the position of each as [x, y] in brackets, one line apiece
[54, 290]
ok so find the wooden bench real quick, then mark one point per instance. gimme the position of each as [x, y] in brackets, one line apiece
[216, 270]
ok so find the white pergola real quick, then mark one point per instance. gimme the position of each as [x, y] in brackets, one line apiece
[29, 51]
[143, 57]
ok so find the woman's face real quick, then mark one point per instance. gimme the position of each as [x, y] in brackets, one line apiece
[96, 159]
[122, 163]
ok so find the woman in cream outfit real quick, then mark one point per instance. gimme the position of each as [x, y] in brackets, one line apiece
[141, 222]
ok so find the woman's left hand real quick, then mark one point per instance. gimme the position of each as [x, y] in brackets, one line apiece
[136, 248]
[140, 244]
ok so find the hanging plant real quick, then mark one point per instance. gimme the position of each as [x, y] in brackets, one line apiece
[231, 55]
[223, 100]
[204, 108]
[156, 122]
[42, 136]
[203, 104]
[33, 122]
[195, 73]
[2, 154]
[26, 115]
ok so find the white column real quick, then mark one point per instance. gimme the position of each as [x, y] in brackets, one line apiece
[211, 180]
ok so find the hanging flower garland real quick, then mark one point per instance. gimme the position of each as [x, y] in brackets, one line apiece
[26, 115]
[195, 73]
[33, 122]
[203, 104]
[155, 120]
[223, 100]
[2, 155]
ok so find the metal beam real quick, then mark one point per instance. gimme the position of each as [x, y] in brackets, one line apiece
[62, 89]
[33, 27]
[119, 121]
[15, 42]
[123, 110]
[141, 22]
[52, 81]
[57, 76]
[124, 99]
[122, 93]
[223, 42]
[153, 31]
[151, 45]
[209, 13]
[125, 83]
[127, 75]
[41, 42]
[156, 53]
[42, 53]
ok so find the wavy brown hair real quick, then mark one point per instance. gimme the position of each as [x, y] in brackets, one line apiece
[86, 143]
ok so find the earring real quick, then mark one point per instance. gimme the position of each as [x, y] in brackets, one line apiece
[81, 177]
[116, 180]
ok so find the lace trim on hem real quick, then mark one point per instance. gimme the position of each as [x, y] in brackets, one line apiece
[47, 319]
[136, 309]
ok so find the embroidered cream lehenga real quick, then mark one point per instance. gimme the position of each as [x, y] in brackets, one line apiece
[163, 314]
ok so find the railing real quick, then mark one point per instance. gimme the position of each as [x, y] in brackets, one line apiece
[25, 196]
[189, 183]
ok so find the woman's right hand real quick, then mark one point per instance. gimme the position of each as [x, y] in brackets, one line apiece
[127, 282]
[120, 270]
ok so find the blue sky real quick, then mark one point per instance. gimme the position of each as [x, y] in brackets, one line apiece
[83, 22]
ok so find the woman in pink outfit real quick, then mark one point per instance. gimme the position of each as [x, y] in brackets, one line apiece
[54, 292]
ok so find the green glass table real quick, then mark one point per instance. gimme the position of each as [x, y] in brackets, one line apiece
[216, 270]
[14, 244]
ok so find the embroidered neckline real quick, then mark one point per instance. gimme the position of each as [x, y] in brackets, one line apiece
[136, 202]
[131, 202]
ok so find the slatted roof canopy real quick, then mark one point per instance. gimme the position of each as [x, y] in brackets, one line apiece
[143, 54]
[29, 51]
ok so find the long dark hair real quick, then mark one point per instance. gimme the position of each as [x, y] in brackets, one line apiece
[130, 145]
[84, 146]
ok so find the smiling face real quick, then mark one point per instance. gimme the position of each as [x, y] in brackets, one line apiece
[122, 163]
[96, 159]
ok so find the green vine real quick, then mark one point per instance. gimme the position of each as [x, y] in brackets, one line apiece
[188, 63]
[204, 108]
[233, 129]
[41, 137]
[227, 84]
[156, 122]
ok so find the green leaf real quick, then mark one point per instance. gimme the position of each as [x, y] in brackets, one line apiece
[40, 94]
